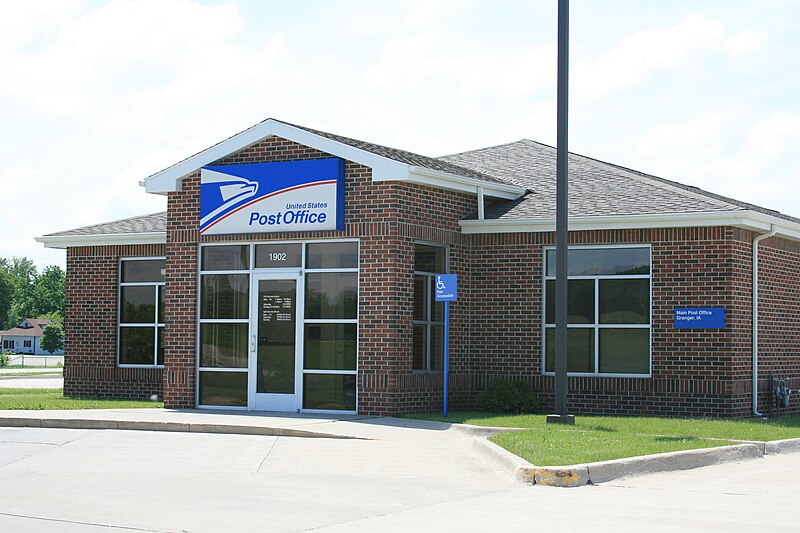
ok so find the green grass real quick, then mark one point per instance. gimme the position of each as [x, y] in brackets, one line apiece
[47, 399]
[600, 438]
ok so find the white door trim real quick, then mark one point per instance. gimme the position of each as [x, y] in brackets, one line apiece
[276, 402]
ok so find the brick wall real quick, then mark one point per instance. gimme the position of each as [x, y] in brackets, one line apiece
[694, 372]
[387, 218]
[90, 337]
[779, 320]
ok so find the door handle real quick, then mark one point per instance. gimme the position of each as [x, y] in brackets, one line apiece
[252, 343]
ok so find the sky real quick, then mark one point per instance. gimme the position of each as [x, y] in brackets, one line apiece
[97, 95]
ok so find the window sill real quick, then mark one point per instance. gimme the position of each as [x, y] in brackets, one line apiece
[596, 375]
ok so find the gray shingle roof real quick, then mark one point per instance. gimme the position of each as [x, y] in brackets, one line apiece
[403, 156]
[152, 223]
[596, 188]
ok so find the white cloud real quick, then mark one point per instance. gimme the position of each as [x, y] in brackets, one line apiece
[729, 152]
[641, 55]
[773, 137]
[744, 43]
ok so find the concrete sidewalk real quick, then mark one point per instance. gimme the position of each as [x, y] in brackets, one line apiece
[232, 422]
[35, 369]
[43, 381]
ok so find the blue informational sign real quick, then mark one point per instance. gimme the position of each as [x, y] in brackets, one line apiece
[446, 287]
[699, 317]
[272, 197]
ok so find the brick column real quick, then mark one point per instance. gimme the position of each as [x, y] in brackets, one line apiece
[180, 342]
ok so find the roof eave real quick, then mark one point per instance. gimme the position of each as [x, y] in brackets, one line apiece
[168, 180]
[745, 219]
[383, 168]
[446, 180]
[102, 239]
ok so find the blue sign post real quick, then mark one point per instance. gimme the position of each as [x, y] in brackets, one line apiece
[446, 291]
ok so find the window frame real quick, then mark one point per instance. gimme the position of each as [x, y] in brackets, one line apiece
[159, 321]
[428, 323]
[596, 326]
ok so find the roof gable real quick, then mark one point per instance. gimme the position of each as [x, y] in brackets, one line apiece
[387, 164]
[29, 327]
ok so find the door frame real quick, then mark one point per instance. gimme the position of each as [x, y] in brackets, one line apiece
[266, 401]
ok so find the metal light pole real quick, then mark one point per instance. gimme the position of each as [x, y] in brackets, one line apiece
[562, 219]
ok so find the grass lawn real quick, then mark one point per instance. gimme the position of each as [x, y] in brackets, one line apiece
[45, 399]
[600, 438]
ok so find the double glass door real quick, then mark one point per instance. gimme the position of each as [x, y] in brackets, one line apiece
[275, 369]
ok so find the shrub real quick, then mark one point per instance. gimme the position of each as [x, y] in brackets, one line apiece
[504, 395]
[3, 359]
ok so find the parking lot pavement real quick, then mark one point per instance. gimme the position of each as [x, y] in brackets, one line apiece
[160, 481]
[66, 480]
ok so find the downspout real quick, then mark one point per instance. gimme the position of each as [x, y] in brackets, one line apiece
[757, 240]
[480, 203]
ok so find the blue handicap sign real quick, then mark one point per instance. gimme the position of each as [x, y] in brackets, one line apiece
[446, 287]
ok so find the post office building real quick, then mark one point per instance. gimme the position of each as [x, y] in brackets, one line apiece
[295, 270]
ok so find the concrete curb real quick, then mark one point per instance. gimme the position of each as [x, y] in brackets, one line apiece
[777, 447]
[481, 431]
[178, 427]
[520, 469]
[604, 471]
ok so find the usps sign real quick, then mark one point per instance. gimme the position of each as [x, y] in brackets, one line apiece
[272, 197]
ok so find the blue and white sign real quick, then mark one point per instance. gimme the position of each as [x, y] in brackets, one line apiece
[272, 197]
[446, 287]
[699, 317]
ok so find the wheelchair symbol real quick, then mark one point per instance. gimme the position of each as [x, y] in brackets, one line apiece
[439, 283]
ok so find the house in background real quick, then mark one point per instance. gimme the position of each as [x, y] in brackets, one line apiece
[26, 338]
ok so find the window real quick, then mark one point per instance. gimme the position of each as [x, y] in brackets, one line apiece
[330, 326]
[224, 325]
[26, 344]
[429, 260]
[608, 310]
[141, 312]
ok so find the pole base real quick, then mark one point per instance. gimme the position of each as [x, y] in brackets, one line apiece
[567, 420]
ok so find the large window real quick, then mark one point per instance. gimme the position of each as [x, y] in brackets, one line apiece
[330, 326]
[429, 260]
[608, 310]
[224, 325]
[141, 312]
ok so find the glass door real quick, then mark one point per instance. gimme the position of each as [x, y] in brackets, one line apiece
[275, 342]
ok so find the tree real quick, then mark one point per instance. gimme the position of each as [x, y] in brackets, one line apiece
[26, 294]
[53, 338]
[47, 292]
[5, 297]
[20, 273]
